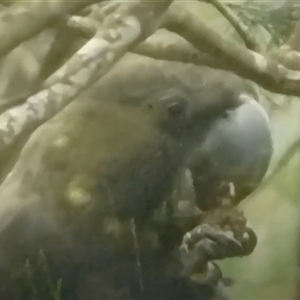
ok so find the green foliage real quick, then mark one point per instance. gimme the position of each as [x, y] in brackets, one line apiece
[278, 18]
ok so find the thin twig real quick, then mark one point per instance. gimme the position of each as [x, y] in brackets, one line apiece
[237, 24]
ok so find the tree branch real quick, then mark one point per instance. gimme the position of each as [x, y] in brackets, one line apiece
[158, 46]
[248, 64]
[287, 57]
[294, 40]
[288, 54]
[23, 20]
[226, 55]
[237, 24]
[129, 25]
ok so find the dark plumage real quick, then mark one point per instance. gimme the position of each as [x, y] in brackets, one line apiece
[107, 159]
